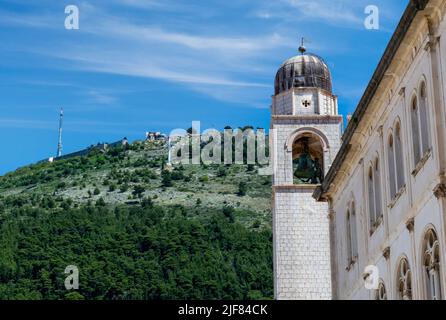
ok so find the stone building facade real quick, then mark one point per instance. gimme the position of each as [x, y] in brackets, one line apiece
[386, 188]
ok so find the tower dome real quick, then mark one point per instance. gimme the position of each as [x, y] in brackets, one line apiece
[303, 71]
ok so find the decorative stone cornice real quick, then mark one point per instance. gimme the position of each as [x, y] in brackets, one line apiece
[440, 190]
[410, 224]
[386, 253]
[300, 187]
[422, 162]
[430, 45]
[304, 117]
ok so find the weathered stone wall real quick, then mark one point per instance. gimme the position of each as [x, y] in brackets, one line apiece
[302, 247]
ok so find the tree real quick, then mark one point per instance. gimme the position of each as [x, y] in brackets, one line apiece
[74, 295]
[100, 203]
[229, 213]
[138, 190]
[256, 224]
[242, 188]
[66, 204]
[61, 185]
[147, 203]
[166, 177]
[221, 172]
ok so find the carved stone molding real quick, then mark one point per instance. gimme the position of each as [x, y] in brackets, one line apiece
[410, 224]
[440, 190]
[386, 253]
[402, 91]
[380, 131]
[431, 43]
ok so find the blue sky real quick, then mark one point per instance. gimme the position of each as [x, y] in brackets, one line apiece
[155, 65]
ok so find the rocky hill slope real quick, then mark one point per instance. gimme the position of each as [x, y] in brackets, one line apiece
[135, 231]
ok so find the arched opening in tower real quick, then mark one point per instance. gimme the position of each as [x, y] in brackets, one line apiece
[308, 159]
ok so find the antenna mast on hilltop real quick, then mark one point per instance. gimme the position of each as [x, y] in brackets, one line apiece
[59, 145]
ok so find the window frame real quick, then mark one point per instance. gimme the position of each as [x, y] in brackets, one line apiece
[352, 235]
[404, 284]
[421, 130]
[374, 192]
[431, 265]
[391, 166]
[381, 292]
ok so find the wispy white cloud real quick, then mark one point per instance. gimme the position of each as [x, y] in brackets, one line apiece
[165, 5]
[101, 97]
[123, 63]
[345, 14]
[234, 45]
[219, 63]
[216, 61]
[142, 3]
[25, 20]
[327, 11]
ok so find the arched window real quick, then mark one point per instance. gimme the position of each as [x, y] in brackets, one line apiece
[399, 164]
[381, 293]
[354, 232]
[404, 281]
[431, 264]
[349, 238]
[416, 130]
[352, 235]
[374, 191]
[308, 159]
[391, 164]
[371, 189]
[377, 180]
[424, 123]
[395, 162]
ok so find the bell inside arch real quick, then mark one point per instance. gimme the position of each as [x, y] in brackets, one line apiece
[307, 160]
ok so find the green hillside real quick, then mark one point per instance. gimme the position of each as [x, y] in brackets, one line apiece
[134, 230]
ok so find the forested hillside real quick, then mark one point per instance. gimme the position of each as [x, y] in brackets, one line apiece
[134, 230]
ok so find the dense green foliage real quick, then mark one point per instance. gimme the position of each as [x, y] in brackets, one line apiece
[140, 252]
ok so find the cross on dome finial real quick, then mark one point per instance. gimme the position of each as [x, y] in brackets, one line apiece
[302, 48]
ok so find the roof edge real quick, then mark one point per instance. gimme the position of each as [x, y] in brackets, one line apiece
[398, 36]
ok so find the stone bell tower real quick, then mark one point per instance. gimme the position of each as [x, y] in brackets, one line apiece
[305, 137]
